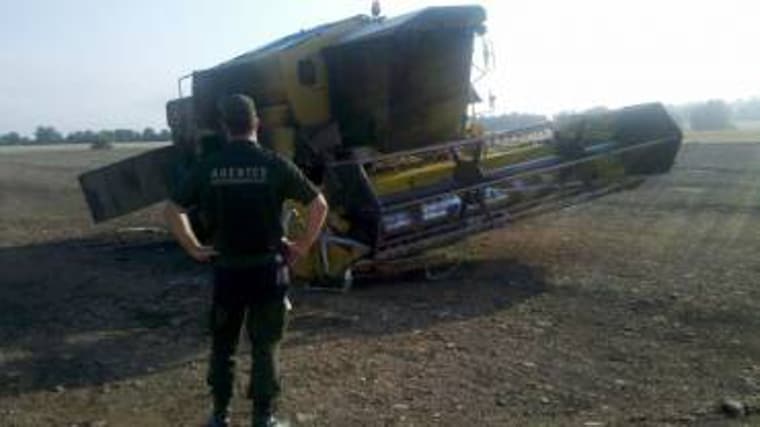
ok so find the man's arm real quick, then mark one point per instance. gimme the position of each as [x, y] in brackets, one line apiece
[317, 212]
[179, 225]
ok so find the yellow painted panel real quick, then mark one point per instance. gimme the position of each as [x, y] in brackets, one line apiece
[283, 140]
[398, 181]
[310, 104]
[274, 116]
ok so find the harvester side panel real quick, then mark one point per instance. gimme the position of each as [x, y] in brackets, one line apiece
[405, 82]
[431, 88]
[260, 79]
[130, 184]
[360, 81]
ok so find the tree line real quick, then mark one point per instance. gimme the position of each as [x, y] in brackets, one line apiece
[511, 121]
[714, 114]
[50, 135]
[709, 115]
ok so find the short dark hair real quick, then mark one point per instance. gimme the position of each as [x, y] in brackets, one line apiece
[238, 113]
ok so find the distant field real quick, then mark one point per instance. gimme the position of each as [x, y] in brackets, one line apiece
[39, 191]
[639, 308]
[746, 131]
[77, 147]
[748, 124]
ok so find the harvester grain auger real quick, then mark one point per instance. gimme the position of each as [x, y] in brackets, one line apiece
[374, 110]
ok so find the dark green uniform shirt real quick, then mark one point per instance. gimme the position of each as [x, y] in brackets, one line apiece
[240, 191]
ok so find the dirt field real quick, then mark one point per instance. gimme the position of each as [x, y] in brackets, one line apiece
[640, 308]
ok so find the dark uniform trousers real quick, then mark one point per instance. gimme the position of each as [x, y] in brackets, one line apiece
[256, 295]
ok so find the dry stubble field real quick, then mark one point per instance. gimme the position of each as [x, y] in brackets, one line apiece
[640, 308]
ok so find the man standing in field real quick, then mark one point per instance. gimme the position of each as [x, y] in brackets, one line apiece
[240, 191]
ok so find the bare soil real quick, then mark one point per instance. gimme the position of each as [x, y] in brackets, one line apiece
[640, 308]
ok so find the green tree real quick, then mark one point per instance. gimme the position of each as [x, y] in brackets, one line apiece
[149, 134]
[12, 138]
[165, 135]
[106, 135]
[511, 121]
[126, 135]
[47, 135]
[712, 115]
[82, 136]
[747, 109]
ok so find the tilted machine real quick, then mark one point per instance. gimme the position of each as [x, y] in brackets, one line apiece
[375, 111]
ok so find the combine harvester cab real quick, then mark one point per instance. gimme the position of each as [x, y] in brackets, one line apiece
[375, 111]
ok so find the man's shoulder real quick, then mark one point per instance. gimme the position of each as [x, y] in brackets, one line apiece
[251, 152]
[275, 159]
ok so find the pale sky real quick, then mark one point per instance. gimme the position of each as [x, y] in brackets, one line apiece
[79, 64]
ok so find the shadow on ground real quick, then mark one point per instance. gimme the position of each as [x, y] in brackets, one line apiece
[88, 312]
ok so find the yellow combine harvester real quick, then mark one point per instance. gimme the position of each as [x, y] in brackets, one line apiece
[375, 111]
